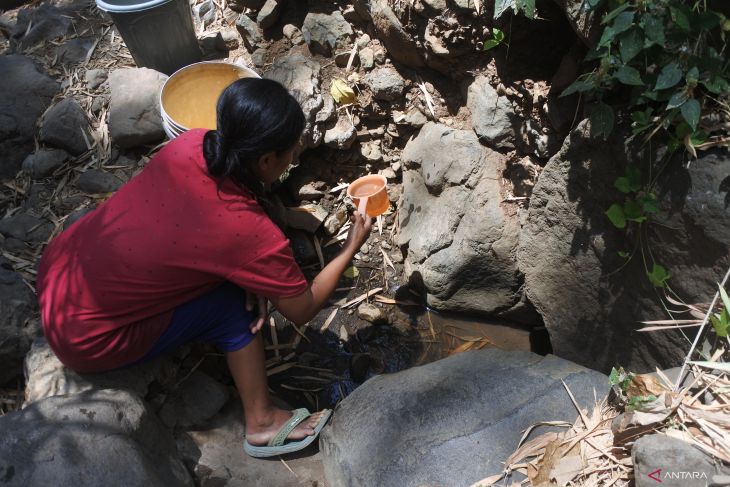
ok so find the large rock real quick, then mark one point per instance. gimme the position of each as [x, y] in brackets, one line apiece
[389, 29]
[106, 437]
[493, 116]
[590, 298]
[65, 126]
[26, 93]
[325, 33]
[26, 227]
[134, 111]
[451, 422]
[46, 376]
[300, 75]
[269, 13]
[673, 463]
[249, 30]
[42, 24]
[198, 398]
[584, 21]
[17, 328]
[461, 243]
[42, 163]
[386, 83]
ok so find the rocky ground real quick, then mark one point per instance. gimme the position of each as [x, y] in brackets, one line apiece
[497, 199]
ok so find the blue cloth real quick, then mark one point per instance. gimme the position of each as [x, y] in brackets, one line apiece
[219, 317]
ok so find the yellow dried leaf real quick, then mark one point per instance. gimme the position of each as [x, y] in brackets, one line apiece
[341, 92]
[351, 272]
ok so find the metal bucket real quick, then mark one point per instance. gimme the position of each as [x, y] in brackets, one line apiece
[189, 97]
[159, 33]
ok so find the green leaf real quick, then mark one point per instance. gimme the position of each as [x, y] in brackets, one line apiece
[658, 275]
[629, 76]
[527, 7]
[630, 44]
[633, 211]
[578, 85]
[623, 22]
[725, 299]
[668, 77]
[721, 323]
[622, 184]
[498, 34]
[677, 99]
[649, 203]
[691, 113]
[489, 44]
[706, 20]
[602, 120]
[634, 175]
[606, 37]
[654, 30]
[501, 6]
[614, 377]
[623, 253]
[717, 85]
[680, 18]
[616, 214]
[693, 75]
[613, 13]
[351, 272]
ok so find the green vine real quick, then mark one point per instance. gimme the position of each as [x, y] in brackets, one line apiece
[664, 63]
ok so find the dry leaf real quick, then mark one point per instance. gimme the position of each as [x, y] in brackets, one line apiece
[566, 469]
[645, 385]
[341, 92]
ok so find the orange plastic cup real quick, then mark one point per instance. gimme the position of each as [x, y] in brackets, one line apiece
[370, 195]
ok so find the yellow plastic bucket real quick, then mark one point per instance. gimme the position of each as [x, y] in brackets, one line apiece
[189, 96]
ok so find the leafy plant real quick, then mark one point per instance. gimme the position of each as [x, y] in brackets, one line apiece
[524, 7]
[721, 321]
[663, 62]
[636, 402]
[496, 40]
[620, 378]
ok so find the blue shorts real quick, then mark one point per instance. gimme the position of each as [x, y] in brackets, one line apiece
[219, 317]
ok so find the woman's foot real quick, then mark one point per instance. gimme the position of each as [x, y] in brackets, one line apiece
[260, 430]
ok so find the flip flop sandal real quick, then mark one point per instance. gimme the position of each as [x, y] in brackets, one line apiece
[277, 445]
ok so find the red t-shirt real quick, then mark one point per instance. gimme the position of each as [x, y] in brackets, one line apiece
[107, 285]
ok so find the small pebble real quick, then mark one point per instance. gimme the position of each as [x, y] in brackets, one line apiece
[365, 248]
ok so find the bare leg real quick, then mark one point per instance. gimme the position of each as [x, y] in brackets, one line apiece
[262, 418]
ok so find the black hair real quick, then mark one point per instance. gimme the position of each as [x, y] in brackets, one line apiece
[254, 116]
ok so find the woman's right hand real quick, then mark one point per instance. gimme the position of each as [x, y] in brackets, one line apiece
[359, 232]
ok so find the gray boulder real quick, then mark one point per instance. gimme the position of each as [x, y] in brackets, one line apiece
[591, 299]
[65, 125]
[426, 429]
[301, 76]
[98, 181]
[74, 51]
[184, 406]
[461, 242]
[325, 33]
[493, 116]
[46, 376]
[386, 83]
[27, 91]
[27, 228]
[95, 78]
[249, 30]
[679, 463]
[134, 111]
[341, 136]
[106, 437]
[17, 328]
[269, 13]
[389, 29]
[42, 163]
[585, 22]
[42, 24]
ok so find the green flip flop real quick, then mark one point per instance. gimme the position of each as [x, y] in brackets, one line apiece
[278, 444]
